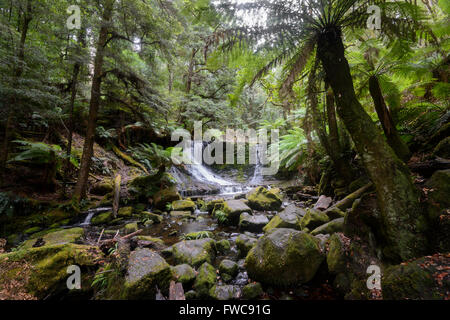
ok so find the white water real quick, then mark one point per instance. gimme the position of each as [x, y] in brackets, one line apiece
[91, 213]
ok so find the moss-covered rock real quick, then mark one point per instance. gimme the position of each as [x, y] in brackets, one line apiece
[336, 225]
[102, 218]
[229, 267]
[252, 223]
[213, 204]
[440, 183]
[245, 243]
[183, 205]
[205, 280]
[125, 212]
[233, 210]
[197, 235]
[425, 278]
[146, 270]
[42, 272]
[165, 196]
[443, 149]
[55, 238]
[225, 292]
[313, 219]
[223, 246]
[192, 252]
[32, 230]
[265, 200]
[182, 214]
[185, 274]
[284, 257]
[102, 188]
[336, 257]
[130, 228]
[156, 218]
[252, 291]
[288, 218]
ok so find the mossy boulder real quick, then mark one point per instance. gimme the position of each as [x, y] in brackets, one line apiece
[130, 228]
[264, 200]
[102, 188]
[185, 274]
[223, 246]
[183, 205]
[336, 225]
[443, 149]
[252, 223]
[288, 218]
[336, 257]
[192, 252]
[102, 218]
[143, 187]
[252, 291]
[56, 238]
[165, 196]
[125, 212]
[229, 267]
[146, 270]
[205, 280]
[233, 210]
[155, 218]
[425, 278]
[440, 183]
[213, 204]
[313, 219]
[225, 292]
[284, 257]
[245, 243]
[38, 273]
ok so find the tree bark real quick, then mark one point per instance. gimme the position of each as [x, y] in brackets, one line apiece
[88, 149]
[403, 220]
[392, 135]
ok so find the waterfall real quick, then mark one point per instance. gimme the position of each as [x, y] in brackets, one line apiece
[257, 176]
[91, 213]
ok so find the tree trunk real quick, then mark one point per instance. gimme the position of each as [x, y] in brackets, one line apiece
[88, 149]
[392, 136]
[402, 218]
[9, 128]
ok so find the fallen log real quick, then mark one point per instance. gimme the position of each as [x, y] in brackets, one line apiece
[347, 202]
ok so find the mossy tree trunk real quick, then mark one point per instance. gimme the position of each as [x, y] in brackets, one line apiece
[401, 215]
[88, 149]
[392, 135]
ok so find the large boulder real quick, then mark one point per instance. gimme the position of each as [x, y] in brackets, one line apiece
[336, 225]
[229, 267]
[426, 278]
[288, 218]
[284, 257]
[313, 219]
[233, 210]
[54, 238]
[265, 200]
[183, 205]
[252, 223]
[205, 280]
[146, 270]
[192, 252]
[165, 196]
[41, 272]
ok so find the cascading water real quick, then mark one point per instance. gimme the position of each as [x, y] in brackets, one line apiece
[91, 213]
[257, 176]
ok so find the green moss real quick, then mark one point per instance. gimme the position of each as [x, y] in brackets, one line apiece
[313, 219]
[205, 280]
[102, 218]
[264, 200]
[228, 266]
[57, 237]
[223, 246]
[184, 273]
[336, 258]
[252, 291]
[183, 205]
[125, 212]
[131, 227]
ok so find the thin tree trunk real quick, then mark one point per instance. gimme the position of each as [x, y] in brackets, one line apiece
[392, 136]
[88, 149]
[401, 215]
[9, 128]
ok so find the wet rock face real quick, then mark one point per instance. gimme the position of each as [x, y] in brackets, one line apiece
[192, 252]
[233, 209]
[252, 223]
[264, 200]
[146, 270]
[284, 257]
[425, 278]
